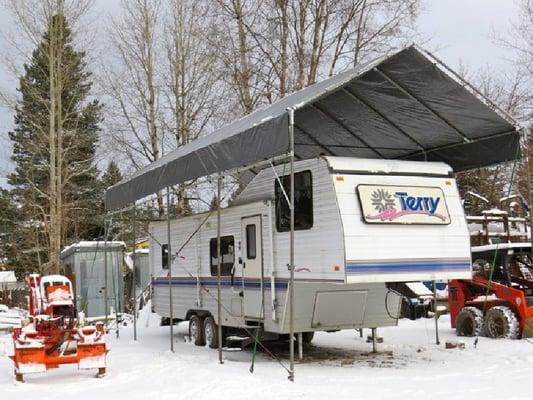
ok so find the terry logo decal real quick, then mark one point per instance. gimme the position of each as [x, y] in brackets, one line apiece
[403, 204]
[427, 205]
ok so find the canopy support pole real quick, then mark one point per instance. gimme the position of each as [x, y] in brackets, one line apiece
[346, 129]
[219, 266]
[106, 306]
[422, 103]
[134, 278]
[291, 260]
[351, 93]
[314, 140]
[169, 262]
[529, 166]
[119, 278]
[436, 313]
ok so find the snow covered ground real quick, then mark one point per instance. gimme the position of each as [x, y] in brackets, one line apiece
[408, 366]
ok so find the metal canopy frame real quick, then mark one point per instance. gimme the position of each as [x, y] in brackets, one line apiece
[408, 105]
[487, 135]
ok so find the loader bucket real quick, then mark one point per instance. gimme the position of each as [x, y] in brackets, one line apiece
[527, 332]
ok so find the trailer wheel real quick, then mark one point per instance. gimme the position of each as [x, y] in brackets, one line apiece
[469, 322]
[501, 322]
[211, 332]
[196, 330]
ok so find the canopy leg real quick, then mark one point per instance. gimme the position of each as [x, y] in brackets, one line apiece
[291, 259]
[435, 312]
[169, 262]
[300, 346]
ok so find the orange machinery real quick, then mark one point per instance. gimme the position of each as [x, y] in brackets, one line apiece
[498, 303]
[55, 335]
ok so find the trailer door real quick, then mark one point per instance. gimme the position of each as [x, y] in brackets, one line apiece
[252, 267]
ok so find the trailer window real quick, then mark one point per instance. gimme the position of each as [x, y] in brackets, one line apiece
[164, 256]
[227, 248]
[303, 202]
[250, 242]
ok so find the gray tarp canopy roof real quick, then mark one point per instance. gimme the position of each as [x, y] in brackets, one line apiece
[404, 106]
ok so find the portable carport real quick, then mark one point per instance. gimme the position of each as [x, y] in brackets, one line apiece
[408, 105]
[404, 106]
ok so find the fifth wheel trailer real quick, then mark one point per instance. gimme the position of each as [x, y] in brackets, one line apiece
[362, 227]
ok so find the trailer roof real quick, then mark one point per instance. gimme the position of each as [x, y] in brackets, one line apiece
[407, 106]
[376, 166]
[91, 247]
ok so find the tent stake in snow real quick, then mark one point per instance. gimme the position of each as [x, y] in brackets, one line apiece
[291, 261]
[219, 265]
[134, 278]
[169, 262]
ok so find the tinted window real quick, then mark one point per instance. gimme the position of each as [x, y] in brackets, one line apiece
[250, 242]
[227, 248]
[303, 202]
[164, 256]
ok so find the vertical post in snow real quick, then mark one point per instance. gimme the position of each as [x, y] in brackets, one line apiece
[134, 279]
[435, 312]
[169, 263]
[529, 188]
[291, 260]
[119, 278]
[374, 340]
[300, 346]
[219, 266]
[106, 306]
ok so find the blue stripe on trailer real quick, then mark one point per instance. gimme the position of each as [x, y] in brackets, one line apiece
[213, 283]
[424, 266]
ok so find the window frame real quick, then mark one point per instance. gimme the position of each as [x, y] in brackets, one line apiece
[225, 268]
[281, 201]
[248, 248]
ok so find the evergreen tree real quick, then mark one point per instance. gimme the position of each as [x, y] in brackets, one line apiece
[54, 145]
[8, 218]
[111, 176]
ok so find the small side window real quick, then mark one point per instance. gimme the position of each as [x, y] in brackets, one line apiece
[227, 248]
[251, 242]
[164, 256]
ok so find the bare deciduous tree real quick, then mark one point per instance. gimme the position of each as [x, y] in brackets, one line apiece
[190, 90]
[279, 46]
[130, 80]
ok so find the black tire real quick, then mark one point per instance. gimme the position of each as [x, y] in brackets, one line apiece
[307, 337]
[501, 322]
[469, 322]
[211, 332]
[196, 330]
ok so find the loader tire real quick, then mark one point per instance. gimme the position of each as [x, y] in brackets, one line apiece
[196, 330]
[469, 322]
[501, 322]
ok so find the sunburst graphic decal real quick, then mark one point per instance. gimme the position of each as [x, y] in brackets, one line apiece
[382, 200]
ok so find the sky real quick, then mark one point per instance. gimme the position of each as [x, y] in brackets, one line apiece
[458, 31]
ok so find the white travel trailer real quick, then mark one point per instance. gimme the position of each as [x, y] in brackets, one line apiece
[362, 227]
